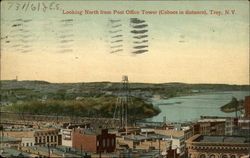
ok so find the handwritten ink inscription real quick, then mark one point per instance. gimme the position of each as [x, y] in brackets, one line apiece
[33, 6]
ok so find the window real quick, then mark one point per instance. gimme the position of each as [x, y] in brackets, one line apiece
[104, 143]
[97, 143]
[113, 142]
[55, 138]
[232, 156]
[107, 142]
[27, 144]
[212, 156]
[47, 138]
[51, 139]
[224, 156]
[202, 156]
[36, 139]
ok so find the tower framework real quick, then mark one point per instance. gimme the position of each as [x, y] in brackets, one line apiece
[122, 103]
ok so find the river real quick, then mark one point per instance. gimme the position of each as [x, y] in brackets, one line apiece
[190, 108]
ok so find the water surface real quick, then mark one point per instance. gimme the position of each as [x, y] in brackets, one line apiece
[190, 108]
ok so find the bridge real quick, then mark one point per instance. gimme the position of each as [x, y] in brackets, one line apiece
[30, 119]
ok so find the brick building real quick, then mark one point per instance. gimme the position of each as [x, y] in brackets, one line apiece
[247, 106]
[209, 125]
[201, 146]
[94, 140]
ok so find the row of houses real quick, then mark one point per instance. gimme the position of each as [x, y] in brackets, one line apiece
[209, 137]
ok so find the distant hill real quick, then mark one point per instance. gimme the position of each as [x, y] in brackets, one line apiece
[47, 86]
[14, 91]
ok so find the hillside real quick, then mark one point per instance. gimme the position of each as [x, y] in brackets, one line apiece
[87, 107]
[23, 91]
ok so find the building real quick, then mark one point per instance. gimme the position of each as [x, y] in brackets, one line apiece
[27, 141]
[58, 151]
[231, 126]
[99, 141]
[210, 125]
[201, 146]
[177, 138]
[247, 106]
[7, 141]
[244, 127]
[47, 137]
[67, 131]
[148, 141]
[35, 136]
[66, 137]
[13, 152]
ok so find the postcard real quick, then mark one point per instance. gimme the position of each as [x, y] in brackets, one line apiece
[125, 78]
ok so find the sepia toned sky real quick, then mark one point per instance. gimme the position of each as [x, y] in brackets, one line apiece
[56, 47]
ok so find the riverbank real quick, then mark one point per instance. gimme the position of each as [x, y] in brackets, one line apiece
[87, 107]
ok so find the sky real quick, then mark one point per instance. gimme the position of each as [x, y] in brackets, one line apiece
[50, 45]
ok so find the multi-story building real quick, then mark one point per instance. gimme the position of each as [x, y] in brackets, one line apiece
[231, 126]
[28, 141]
[201, 146]
[147, 141]
[99, 141]
[244, 127]
[247, 106]
[177, 138]
[209, 125]
[67, 137]
[67, 132]
[49, 137]
[35, 136]
[7, 141]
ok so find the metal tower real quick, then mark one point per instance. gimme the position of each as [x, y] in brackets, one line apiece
[123, 99]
